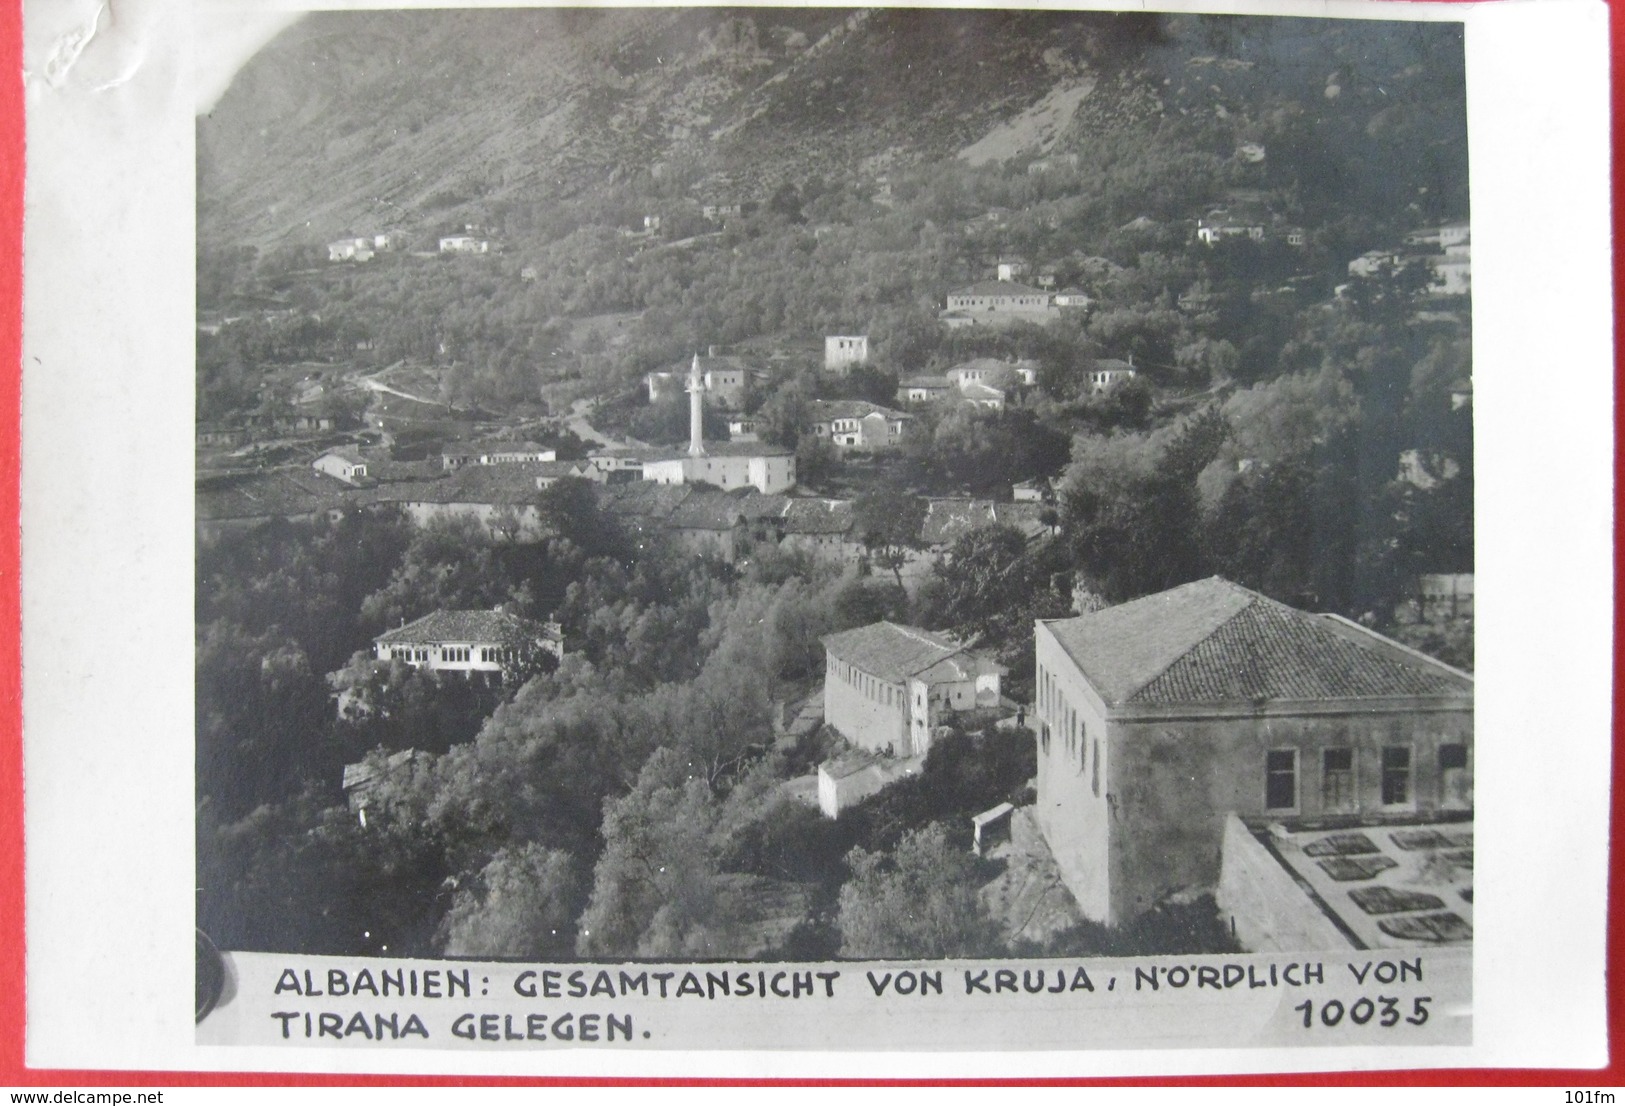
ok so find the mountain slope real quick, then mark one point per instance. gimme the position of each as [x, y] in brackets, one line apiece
[368, 121]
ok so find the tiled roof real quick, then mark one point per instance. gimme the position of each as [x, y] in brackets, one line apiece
[946, 520]
[823, 410]
[941, 382]
[475, 449]
[1216, 642]
[998, 288]
[975, 389]
[557, 468]
[643, 498]
[269, 495]
[894, 653]
[471, 627]
[722, 510]
[721, 449]
[818, 516]
[983, 364]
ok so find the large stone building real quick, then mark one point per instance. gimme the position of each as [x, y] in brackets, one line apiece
[887, 687]
[1160, 718]
[994, 301]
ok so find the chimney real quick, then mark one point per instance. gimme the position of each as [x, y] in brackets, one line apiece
[711, 351]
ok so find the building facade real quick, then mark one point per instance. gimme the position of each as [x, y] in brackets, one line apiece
[1159, 718]
[842, 351]
[887, 687]
[998, 299]
[469, 642]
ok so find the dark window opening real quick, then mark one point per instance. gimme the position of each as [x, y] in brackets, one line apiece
[1396, 775]
[1281, 779]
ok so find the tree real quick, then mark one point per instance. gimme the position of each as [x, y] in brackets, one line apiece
[657, 861]
[921, 902]
[522, 906]
[888, 522]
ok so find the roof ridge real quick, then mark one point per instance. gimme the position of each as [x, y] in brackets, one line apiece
[1253, 598]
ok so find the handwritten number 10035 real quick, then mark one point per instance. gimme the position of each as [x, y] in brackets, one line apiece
[1382, 1011]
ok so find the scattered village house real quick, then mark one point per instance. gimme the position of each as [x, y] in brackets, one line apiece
[350, 249]
[923, 389]
[464, 243]
[842, 351]
[1221, 224]
[995, 301]
[1109, 372]
[1160, 718]
[454, 457]
[343, 464]
[855, 424]
[469, 642]
[888, 687]
[363, 776]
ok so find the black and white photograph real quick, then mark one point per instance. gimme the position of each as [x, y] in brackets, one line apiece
[801, 485]
[774, 530]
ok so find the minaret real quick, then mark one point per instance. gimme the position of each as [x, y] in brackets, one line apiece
[696, 435]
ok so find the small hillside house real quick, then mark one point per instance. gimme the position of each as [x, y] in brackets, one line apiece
[465, 243]
[842, 351]
[855, 424]
[486, 642]
[1108, 373]
[1159, 719]
[887, 687]
[343, 464]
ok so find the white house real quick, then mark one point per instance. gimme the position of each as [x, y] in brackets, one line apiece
[469, 642]
[842, 351]
[344, 463]
[857, 424]
[465, 243]
[350, 249]
[887, 687]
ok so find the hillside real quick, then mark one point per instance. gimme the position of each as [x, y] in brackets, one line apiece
[419, 119]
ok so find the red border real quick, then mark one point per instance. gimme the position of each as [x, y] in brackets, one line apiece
[13, 1070]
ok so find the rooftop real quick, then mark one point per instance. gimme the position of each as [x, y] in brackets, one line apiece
[1212, 641]
[720, 449]
[470, 626]
[997, 288]
[722, 510]
[825, 409]
[818, 516]
[894, 653]
[948, 519]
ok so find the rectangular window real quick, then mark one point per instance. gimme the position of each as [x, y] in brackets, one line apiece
[1337, 779]
[1094, 776]
[1452, 757]
[1281, 779]
[1396, 775]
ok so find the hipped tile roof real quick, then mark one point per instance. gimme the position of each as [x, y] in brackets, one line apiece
[1213, 642]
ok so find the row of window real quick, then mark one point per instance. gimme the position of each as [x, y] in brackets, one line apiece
[1057, 713]
[1338, 777]
[450, 653]
[868, 686]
